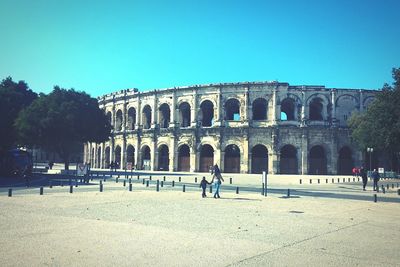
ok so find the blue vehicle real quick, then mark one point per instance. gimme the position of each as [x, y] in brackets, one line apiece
[16, 162]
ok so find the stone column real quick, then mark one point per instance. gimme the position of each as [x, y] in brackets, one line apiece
[154, 156]
[304, 153]
[333, 100]
[174, 111]
[303, 109]
[172, 154]
[275, 106]
[193, 110]
[249, 165]
[275, 156]
[244, 168]
[154, 120]
[332, 165]
[218, 117]
[361, 107]
[123, 153]
[138, 113]
[137, 152]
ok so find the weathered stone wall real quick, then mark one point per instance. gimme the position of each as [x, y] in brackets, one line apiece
[224, 124]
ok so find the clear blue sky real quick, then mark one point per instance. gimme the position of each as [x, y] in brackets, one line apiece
[104, 46]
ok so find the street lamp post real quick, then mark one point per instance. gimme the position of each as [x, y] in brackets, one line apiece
[370, 150]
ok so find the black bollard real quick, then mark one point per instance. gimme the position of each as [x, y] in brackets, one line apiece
[10, 192]
[76, 183]
[183, 188]
[300, 182]
[101, 187]
[173, 183]
[41, 190]
[318, 181]
[326, 180]
[147, 183]
[118, 175]
[124, 182]
[288, 193]
[179, 179]
[138, 177]
[344, 180]
[150, 178]
[116, 180]
[387, 186]
[71, 188]
[162, 183]
[349, 180]
[230, 180]
[383, 189]
[398, 192]
[310, 181]
[195, 179]
[333, 181]
[375, 198]
[354, 179]
[338, 180]
[164, 178]
[237, 190]
[101, 182]
[210, 189]
[130, 180]
[158, 186]
[130, 187]
[143, 180]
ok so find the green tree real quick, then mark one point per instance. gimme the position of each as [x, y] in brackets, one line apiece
[379, 126]
[13, 98]
[62, 121]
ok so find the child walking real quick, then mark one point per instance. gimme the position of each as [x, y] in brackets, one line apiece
[203, 185]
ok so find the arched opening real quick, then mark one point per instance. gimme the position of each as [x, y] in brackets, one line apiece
[288, 160]
[207, 113]
[316, 108]
[163, 158]
[108, 115]
[164, 115]
[259, 159]
[130, 155]
[146, 117]
[232, 110]
[345, 161]
[259, 109]
[232, 159]
[118, 121]
[131, 118]
[184, 114]
[184, 158]
[98, 157]
[146, 158]
[287, 107]
[107, 158]
[317, 161]
[206, 158]
[118, 157]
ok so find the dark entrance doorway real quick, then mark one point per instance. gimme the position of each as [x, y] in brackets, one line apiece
[288, 162]
[184, 158]
[317, 161]
[146, 158]
[107, 158]
[345, 161]
[163, 158]
[118, 157]
[130, 155]
[259, 159]
[232, 159]
[206, 158]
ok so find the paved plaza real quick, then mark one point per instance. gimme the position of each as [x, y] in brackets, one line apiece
[320, 224]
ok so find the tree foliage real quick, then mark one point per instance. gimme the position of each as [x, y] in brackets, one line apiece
[62, 121]
[379, 126]
[14, 96]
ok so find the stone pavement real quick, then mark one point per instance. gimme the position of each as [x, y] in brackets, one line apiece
[319, 225]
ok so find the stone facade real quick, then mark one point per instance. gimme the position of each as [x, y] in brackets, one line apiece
[243, 127]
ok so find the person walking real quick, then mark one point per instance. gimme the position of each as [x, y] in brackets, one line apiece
[364, 177]
[203, 185]
[375, 175]
[217, 179]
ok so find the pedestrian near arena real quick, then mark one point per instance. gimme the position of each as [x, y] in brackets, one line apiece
[203, 185]
[375, 176]
[364, 177]
[217, 180]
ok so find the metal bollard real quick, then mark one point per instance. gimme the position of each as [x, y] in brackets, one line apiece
[10, 192]
[162, 183]
[349, 180]
[237, 190]
[71, 188]
[173, 183]
[333, 181]
[344, 180]
[124, 182]
[387, 186]
[164, 178]
[195, 179]
[375, 198]
[116, 180]
[130, 180]
[398, 192]
[318, 181]
[158, 186]
[310, 181]
[326, 180]
[338, 180]
[183, 188]
[147, 183]
[288, 193]
[138, 177]
[300, 182]
[230, 180]
[179, 179]
[150, 178]
[383, 189]
[144, 180]
[41, 190]
[130, 187]
[101, 187]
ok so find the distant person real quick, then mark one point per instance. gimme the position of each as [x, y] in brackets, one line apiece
[364, 177]
[217, 179]
[375, 175]
[51, 164]
[354, 171]
[203, 185]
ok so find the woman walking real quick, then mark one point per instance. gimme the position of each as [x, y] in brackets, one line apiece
[217, 179]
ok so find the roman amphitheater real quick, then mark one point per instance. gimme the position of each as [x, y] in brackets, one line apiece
[245, 127]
